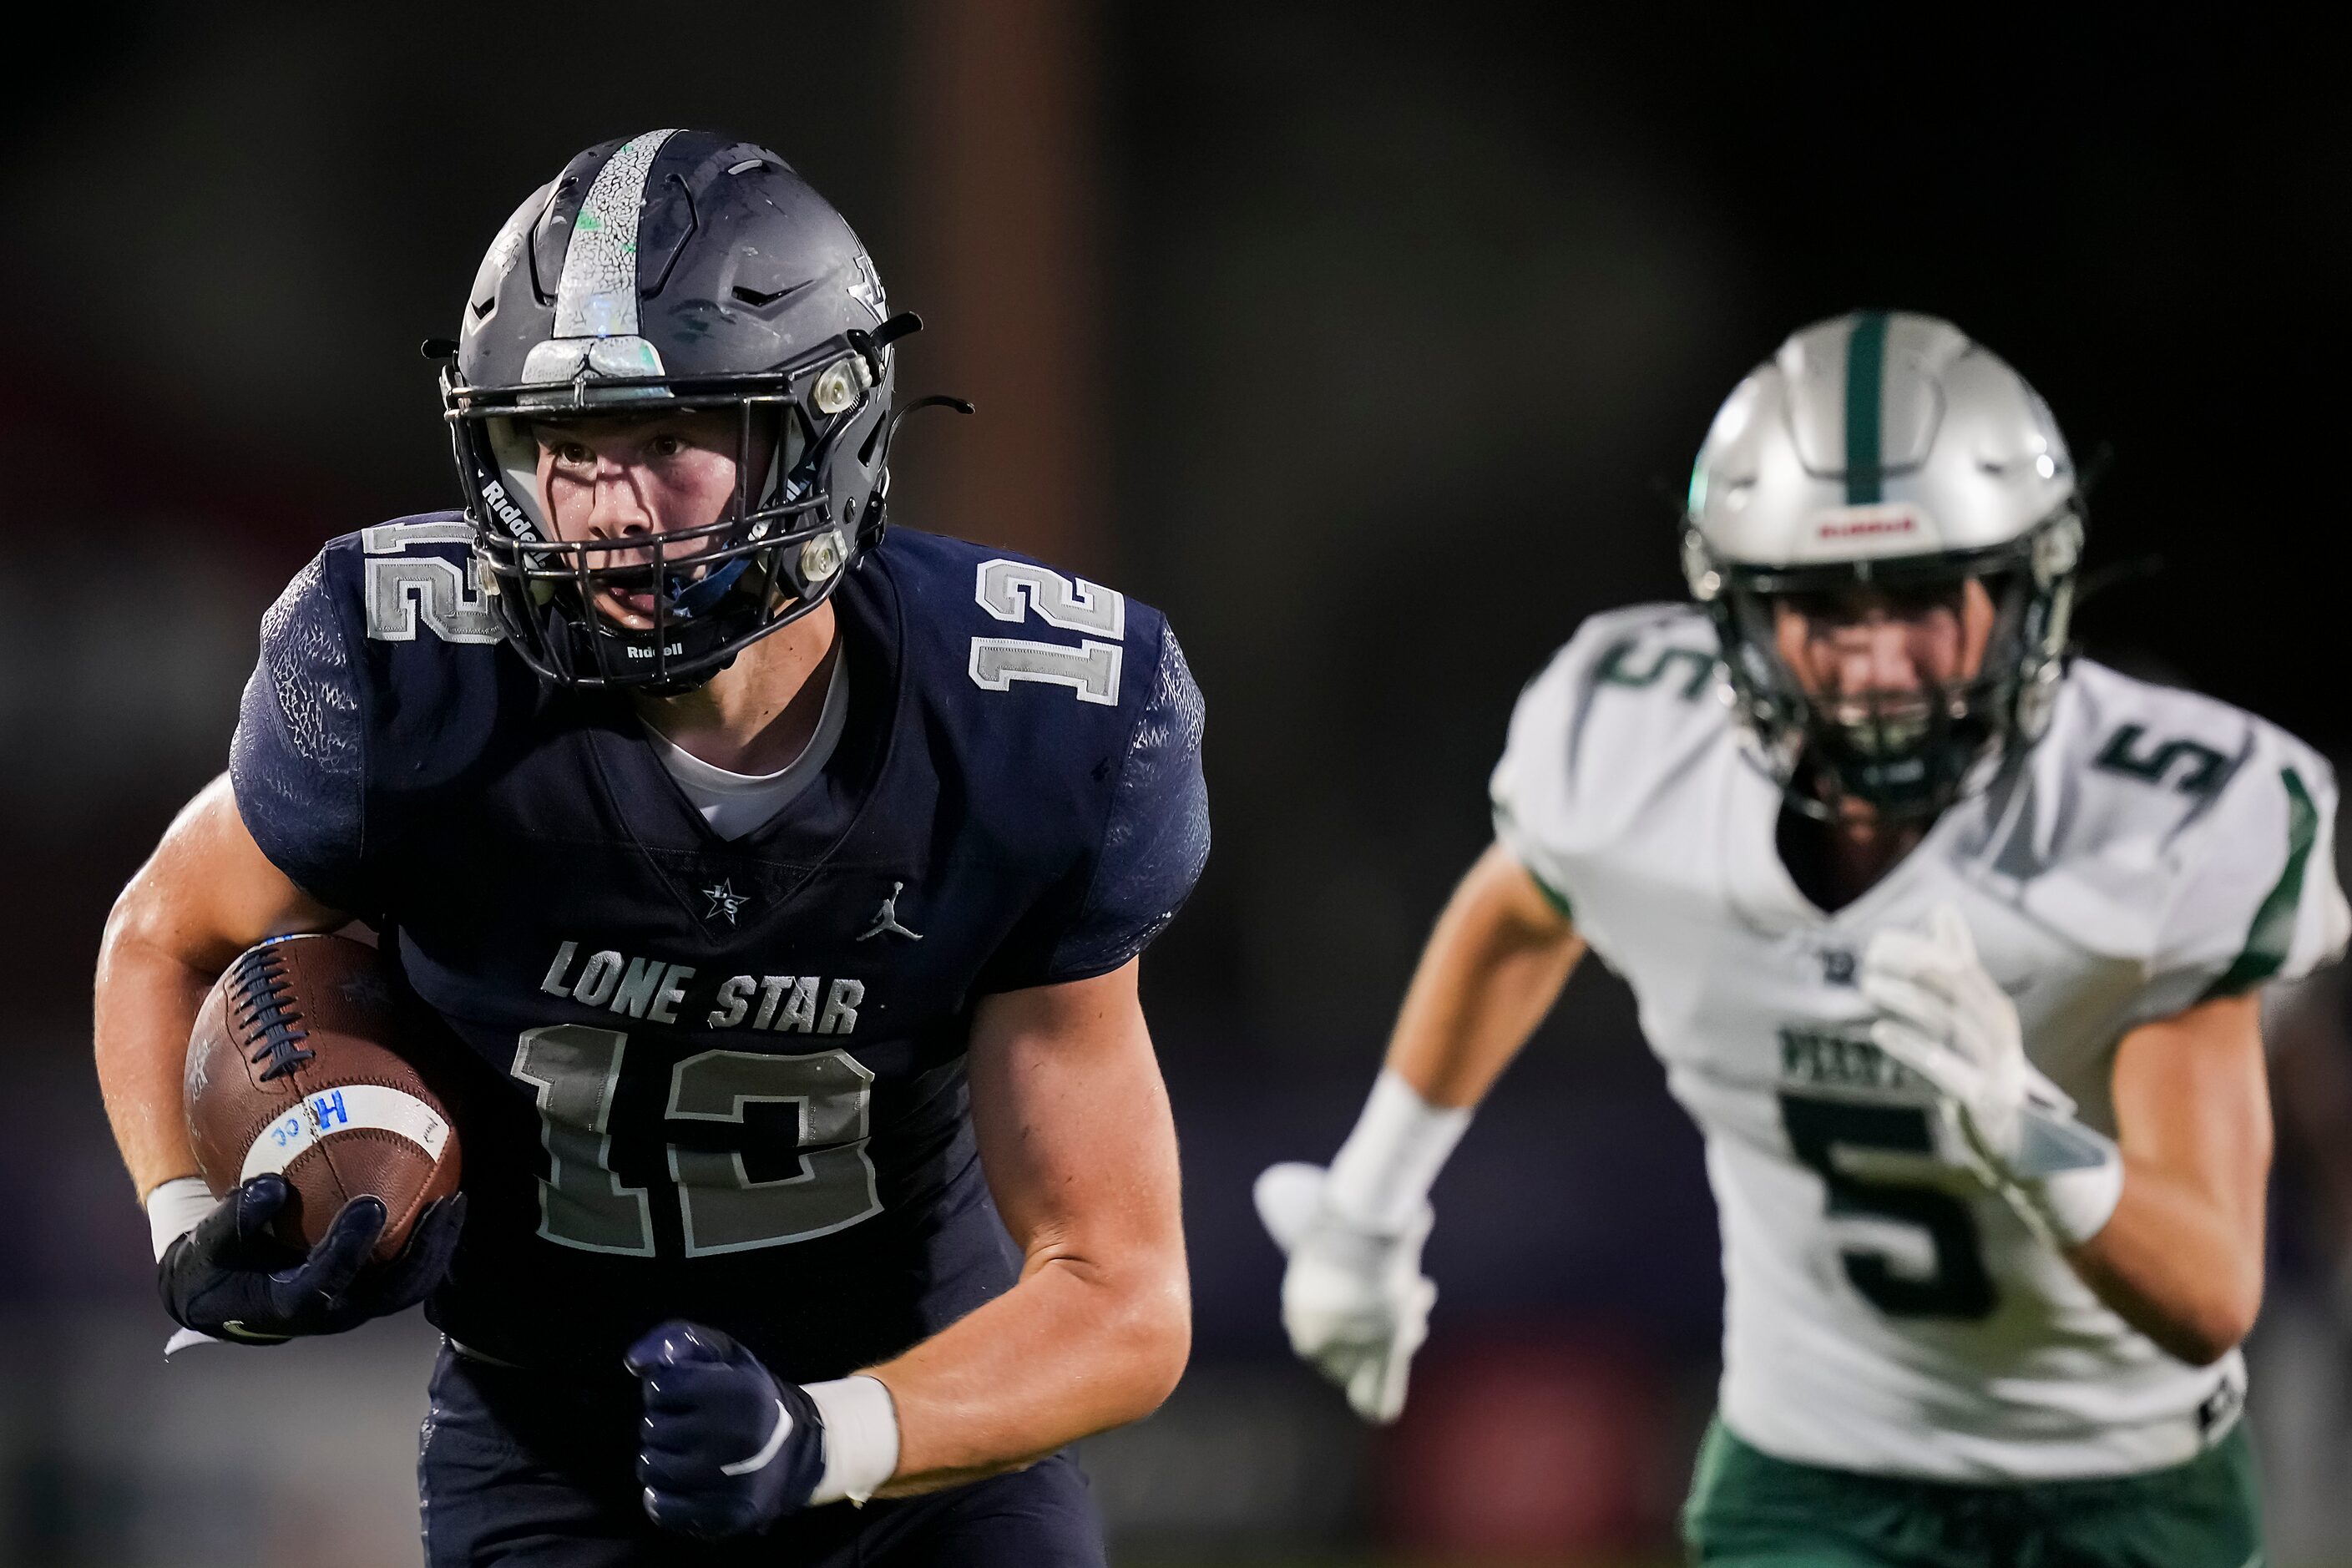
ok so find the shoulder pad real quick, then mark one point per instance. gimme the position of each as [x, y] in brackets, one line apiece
[2181, 832]
[1013, 625]
[417, 577]
[1616, 714]
[436, 678]
[1068, 711]
[379, 678]
[298, 759]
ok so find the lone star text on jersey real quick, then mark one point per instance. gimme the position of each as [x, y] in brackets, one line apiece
[656, 989]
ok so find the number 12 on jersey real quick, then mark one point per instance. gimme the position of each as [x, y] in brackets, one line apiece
[1015, 589]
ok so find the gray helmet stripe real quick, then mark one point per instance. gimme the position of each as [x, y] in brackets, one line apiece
[1866, 399]
[597, 296]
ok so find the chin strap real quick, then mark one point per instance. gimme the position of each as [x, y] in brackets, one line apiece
[702, 597]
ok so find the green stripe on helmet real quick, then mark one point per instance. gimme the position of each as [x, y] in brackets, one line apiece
[1865, 398]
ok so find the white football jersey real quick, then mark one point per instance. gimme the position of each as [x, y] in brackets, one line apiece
[1885, 1312]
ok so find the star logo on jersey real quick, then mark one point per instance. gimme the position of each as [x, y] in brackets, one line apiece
[724, 901]
[886, 919]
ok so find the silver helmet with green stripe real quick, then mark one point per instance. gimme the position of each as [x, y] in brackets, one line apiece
[1882, 464]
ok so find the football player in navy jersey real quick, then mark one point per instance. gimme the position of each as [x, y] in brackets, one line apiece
[779, 884]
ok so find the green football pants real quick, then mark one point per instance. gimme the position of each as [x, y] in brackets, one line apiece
[1749, 1510]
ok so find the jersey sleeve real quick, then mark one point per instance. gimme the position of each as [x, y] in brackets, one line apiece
[2258, 898]
[297, 762]
[1609, 722]
[1154, 842]
[1532, 785]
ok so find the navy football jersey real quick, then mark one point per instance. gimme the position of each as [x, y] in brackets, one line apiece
[712, 1079]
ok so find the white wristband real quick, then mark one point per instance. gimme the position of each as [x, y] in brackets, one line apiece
[174, 1207]
[2076, 1205]
[1382, 1173]
[2066, 1178]
[861, 1437]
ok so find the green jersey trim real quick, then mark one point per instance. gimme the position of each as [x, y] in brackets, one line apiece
[1552, 895]
[2272, 936]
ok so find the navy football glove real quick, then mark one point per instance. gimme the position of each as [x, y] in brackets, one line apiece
[231, 1279]
[726, 1447]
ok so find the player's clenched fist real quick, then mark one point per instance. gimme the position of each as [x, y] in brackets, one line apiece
[1354, 1301]
[726, 1447]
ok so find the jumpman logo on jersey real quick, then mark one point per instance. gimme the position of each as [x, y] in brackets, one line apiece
[886, 919]
[724, 901]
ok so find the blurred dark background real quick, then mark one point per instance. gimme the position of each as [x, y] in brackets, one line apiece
[1372, 343]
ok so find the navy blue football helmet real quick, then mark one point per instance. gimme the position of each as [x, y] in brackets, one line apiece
[679, 270]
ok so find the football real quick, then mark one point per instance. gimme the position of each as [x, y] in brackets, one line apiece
[296, 1067]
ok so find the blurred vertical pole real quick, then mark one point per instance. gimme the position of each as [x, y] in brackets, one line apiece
[1003, 215]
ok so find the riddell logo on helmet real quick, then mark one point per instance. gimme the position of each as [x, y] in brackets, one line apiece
[1858, 533]
[1871, 527]
[495, 497]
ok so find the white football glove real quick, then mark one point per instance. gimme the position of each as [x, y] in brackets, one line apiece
[1945, 1018]
[1354, 1301]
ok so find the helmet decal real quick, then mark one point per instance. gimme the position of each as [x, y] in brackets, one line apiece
[597, 297]
[1865, 408]
[866, 289]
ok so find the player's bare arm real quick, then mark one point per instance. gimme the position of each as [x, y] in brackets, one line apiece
[1492, 968]
[1354, 1299]
[2182, 1257]
[1075, 1135]
[2164, 1221]
[206, 895]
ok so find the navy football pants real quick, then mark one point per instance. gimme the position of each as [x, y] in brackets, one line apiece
[520, 1469]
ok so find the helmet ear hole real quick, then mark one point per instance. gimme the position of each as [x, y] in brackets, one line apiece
[782, 433]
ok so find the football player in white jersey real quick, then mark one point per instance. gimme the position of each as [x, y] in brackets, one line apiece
[1948, 939]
